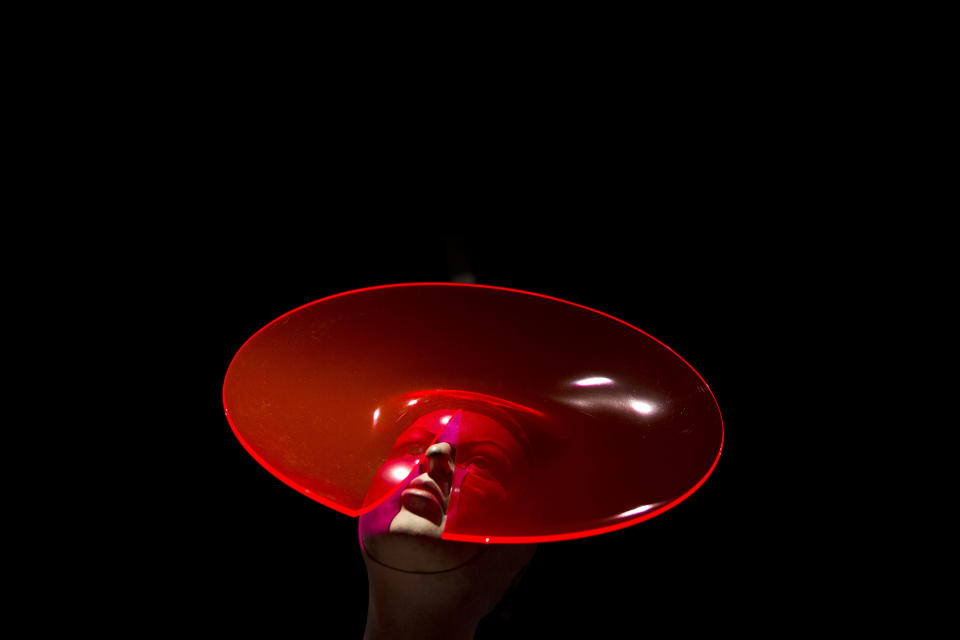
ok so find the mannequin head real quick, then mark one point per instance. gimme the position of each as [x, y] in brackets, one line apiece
[464, 465]
[463, 462]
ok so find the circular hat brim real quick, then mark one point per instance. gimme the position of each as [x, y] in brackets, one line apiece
[573, 422]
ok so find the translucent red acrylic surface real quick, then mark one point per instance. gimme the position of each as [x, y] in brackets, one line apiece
[570, 423]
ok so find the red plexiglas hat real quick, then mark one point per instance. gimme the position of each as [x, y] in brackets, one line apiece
[564, 422]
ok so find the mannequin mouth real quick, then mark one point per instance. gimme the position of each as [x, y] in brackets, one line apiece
[423, 498]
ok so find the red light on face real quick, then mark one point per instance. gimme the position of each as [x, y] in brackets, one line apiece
[571, 422]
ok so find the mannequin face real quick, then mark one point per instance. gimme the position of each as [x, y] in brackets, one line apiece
[425, 501]
[472, 467]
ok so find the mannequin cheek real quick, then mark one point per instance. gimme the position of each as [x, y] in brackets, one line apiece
[472, 497]
[376, 522]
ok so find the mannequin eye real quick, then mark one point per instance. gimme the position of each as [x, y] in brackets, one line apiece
[411, 447]
[485, 460]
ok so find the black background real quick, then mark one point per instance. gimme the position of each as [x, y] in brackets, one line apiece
[699, 217]
[250, 554]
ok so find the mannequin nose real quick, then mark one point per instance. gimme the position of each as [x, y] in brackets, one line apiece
[438, 462]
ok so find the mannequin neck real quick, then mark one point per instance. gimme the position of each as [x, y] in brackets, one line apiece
[422, 606]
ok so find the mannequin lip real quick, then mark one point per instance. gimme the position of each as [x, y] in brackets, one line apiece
[426, 484]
